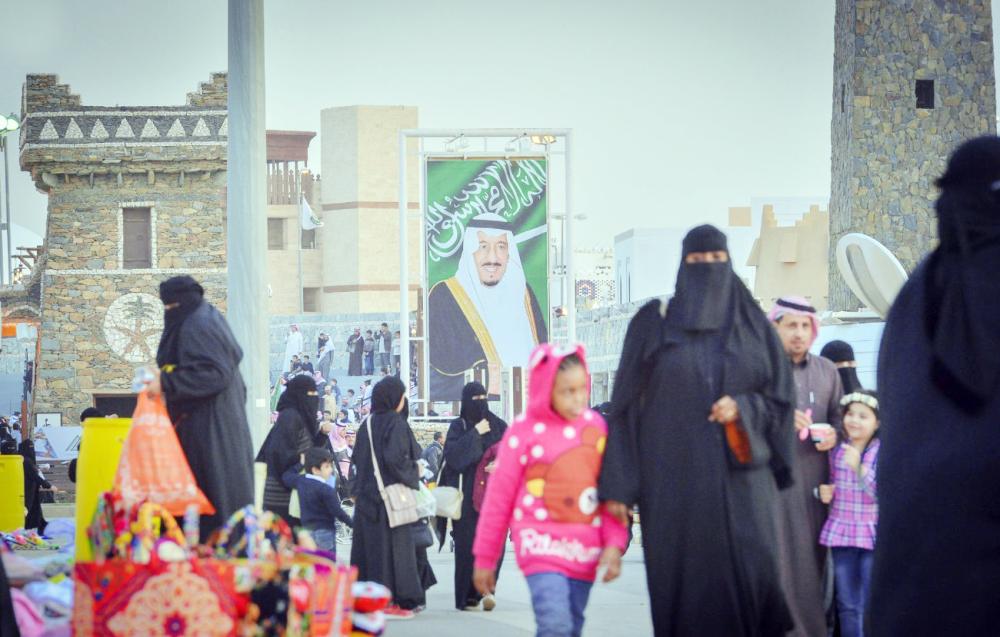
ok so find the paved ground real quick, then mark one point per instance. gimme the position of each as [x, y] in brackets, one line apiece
[619, 608]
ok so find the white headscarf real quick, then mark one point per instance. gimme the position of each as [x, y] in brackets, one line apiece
[500, 306]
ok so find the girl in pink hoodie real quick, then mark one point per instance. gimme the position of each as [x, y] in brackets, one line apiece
[544, 488]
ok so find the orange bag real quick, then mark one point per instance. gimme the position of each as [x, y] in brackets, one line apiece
[153, 467]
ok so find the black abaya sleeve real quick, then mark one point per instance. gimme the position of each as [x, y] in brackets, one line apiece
[462, 449]
[768, 415]
[619, 478]
[204, 369]
[400, 464]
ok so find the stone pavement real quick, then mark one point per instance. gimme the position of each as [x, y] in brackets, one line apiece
[619, 608]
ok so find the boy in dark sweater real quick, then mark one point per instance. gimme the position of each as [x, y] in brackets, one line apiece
[318, 501]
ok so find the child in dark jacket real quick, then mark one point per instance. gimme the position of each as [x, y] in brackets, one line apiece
[318, 501]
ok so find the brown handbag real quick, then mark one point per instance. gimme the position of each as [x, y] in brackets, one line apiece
[400, 500]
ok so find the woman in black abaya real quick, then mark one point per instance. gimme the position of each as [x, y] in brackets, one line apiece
[382, 554]
[198, 373]
[700, 436]
[295, 431]
[469, 436]
[937, 559]
[33, 484]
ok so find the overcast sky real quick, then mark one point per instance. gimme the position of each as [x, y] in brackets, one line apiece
[679, 109]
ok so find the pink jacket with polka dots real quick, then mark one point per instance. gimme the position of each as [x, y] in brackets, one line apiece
[544, 487]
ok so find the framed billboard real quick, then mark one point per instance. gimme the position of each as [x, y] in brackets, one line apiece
[486, 245]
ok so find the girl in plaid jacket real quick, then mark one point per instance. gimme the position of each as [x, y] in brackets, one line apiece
[850, 526]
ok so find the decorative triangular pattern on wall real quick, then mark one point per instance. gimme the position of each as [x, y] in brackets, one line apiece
[224, 129]
[176, 129]
[48, 131]
[98, 131]
[124, 129]
[73, 130]
[149, 129]
[201, 129]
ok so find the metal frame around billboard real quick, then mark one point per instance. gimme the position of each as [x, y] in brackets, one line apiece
[464, 136]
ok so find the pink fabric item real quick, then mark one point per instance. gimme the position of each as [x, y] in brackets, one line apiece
[778, 311]
[545, 485]
[29, 619]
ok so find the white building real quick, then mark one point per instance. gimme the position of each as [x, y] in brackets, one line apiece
[647, 259]
[594, 271]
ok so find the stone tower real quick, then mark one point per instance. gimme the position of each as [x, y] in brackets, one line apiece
[912, 79]
[136, 195]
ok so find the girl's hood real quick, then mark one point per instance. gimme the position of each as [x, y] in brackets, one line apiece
[543, 367]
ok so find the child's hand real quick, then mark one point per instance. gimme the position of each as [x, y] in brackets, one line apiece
[619, 511]
[485, 580]
[852, 457]
[611, 562]
[826, 493]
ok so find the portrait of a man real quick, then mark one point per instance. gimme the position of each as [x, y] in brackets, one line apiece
[486, 316]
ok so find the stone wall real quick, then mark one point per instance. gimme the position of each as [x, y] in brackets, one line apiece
[99, 321]
[886, 153]
[80, 355]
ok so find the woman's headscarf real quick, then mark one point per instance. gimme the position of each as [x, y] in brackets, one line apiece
[842, 355]
[190, 295]
[297, 396]
[705, 292]
[473, 409]
[962, 309]
[387, 394]
[385, 398]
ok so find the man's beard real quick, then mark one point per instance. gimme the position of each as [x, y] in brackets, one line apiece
[491, 284]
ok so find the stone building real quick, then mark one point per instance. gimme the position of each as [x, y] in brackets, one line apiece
[911, 81]
[135, 195]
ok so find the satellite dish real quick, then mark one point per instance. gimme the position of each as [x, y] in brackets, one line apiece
[872, 272]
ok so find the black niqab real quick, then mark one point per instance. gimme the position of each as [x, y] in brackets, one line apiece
[705, 292]
[189, 294]
[962, 315]
[297, 396]
[840, 352]
[473, 409]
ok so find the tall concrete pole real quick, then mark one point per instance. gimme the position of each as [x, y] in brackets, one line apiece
[247, 200]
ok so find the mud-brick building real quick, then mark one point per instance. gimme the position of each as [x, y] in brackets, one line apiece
[136, 195]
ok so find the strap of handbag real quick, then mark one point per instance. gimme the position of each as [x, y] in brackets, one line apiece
[378, 473]
[437, 480]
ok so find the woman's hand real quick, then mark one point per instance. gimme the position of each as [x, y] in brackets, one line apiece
[724, 410]
[485, 580]
[154, 387]
[611, 562]
[483, 427]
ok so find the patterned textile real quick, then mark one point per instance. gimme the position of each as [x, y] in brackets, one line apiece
[183, 599]
[854, 511]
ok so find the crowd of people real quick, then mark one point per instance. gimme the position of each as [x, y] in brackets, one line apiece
[777, 496]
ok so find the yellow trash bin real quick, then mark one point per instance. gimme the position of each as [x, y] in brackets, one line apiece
[12, 488]
[100, 448]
